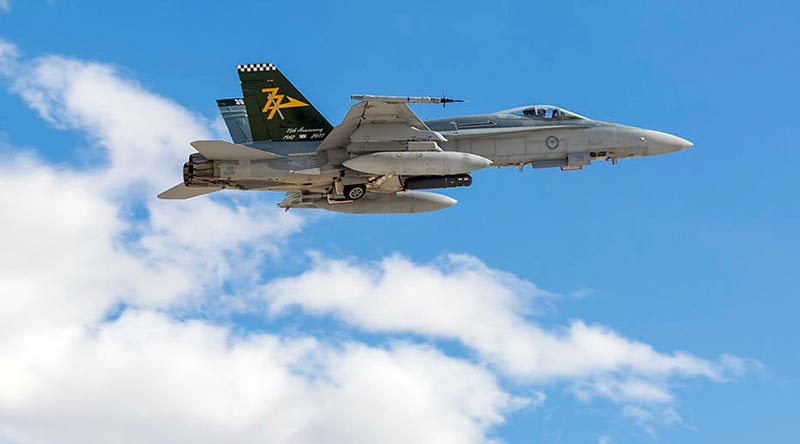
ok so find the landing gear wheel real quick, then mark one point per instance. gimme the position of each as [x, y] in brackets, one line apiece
[355, 192]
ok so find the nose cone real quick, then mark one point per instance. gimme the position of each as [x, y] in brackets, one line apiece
[662, 143]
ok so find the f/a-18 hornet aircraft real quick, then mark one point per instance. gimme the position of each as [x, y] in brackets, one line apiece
[381, 152]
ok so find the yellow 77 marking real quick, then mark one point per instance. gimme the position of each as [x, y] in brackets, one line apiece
[275, 103]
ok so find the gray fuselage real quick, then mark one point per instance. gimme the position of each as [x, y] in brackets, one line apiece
[510, 138]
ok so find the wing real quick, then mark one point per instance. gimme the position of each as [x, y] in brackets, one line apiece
[181, 191]
[381, 122]
[220, 149]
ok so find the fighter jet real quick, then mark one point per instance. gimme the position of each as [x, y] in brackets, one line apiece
[382, 154]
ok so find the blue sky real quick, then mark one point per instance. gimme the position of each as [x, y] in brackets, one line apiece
[695, 251]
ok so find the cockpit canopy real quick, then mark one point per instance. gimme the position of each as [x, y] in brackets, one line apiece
[543, 112]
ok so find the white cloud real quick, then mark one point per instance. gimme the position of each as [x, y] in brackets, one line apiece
[463, 299]
[625, 389]
[8, 56]
[649, 417]
[145, 136]
[68, 376]
[5, 6]
[146, 378]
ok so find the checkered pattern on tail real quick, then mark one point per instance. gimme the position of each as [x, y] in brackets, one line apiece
[256, 67]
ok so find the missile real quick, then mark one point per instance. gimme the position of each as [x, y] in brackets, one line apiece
[417, 163]
[404, 99]
[402, 202]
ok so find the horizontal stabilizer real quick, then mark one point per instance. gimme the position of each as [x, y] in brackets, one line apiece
[220, 149]
[181, 191]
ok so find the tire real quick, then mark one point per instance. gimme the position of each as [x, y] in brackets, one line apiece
[355, 192]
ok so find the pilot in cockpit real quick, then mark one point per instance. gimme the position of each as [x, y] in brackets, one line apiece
[544, 112]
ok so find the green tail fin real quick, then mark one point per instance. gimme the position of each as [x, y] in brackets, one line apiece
[276, 109]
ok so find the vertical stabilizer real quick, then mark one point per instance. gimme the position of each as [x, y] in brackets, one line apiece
[276, 110]
[235, 116]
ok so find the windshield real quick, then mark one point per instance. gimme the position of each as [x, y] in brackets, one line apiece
[542, 112]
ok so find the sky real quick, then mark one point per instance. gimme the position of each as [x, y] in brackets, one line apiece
[651, 301]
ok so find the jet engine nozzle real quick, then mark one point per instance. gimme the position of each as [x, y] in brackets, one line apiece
[199, 171]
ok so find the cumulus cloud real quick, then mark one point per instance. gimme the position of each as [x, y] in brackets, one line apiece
[649, 417]
[69, 375]
[461, 298]
[143, 136]
[147, 378]
[8, 57]
[98, 280]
